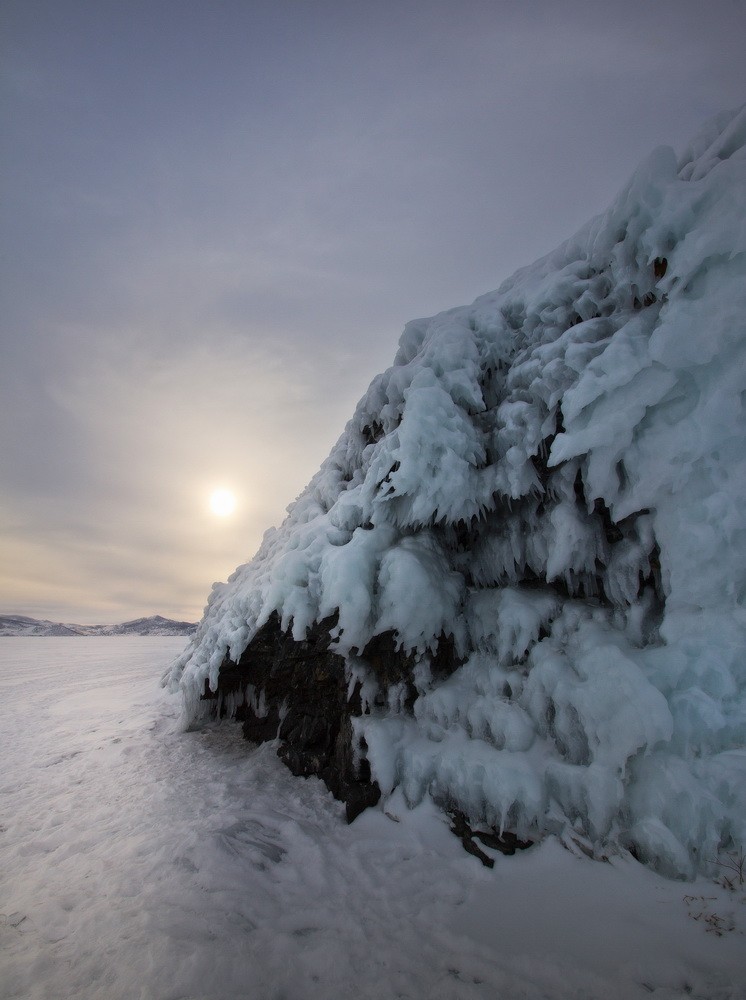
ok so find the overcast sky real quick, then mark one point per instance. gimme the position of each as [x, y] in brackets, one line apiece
[218, 216]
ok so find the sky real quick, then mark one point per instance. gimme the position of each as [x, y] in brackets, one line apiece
[217, 217]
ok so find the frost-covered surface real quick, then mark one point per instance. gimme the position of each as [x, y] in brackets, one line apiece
[555, 477]
[139, 861]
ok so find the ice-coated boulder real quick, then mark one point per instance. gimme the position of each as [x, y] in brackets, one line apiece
[521, 570]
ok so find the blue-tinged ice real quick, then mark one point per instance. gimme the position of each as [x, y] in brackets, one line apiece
[555, 478]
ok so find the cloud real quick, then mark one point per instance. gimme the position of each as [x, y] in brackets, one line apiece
[151, 433]
[219, 222]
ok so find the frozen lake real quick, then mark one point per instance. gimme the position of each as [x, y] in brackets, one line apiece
[139, 862]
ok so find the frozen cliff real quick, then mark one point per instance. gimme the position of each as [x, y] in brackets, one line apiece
[517, 583]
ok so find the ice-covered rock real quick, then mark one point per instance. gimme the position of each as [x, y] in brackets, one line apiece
[529, 544]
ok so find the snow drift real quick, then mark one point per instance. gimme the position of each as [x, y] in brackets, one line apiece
[552, 481]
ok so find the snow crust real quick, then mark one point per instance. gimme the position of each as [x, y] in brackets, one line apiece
[140, 861]
[553, 477]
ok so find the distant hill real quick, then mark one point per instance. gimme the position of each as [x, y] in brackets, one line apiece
[20, 625]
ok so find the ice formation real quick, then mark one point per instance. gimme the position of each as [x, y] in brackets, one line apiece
[552, 480]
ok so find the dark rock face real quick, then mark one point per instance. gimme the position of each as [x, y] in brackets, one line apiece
[299, 695]
[505, 842]
[391, 666]
[297, 692]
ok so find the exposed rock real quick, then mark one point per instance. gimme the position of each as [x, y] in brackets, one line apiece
[505, 842]
[297, 693]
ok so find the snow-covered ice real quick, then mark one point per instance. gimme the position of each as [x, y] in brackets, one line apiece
[141, 861]
[553, 478]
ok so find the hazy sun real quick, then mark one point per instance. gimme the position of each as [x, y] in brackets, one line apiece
[222, 503]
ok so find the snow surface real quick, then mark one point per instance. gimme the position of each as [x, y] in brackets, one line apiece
[554, 477]
[141, 861]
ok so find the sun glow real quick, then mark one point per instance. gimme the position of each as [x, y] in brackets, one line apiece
[222, 503]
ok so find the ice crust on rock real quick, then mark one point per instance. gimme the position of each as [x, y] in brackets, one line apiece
[554, 479]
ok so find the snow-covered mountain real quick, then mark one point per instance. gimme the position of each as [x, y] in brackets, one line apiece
[154, 625]
[20, 625]
[517, 583]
